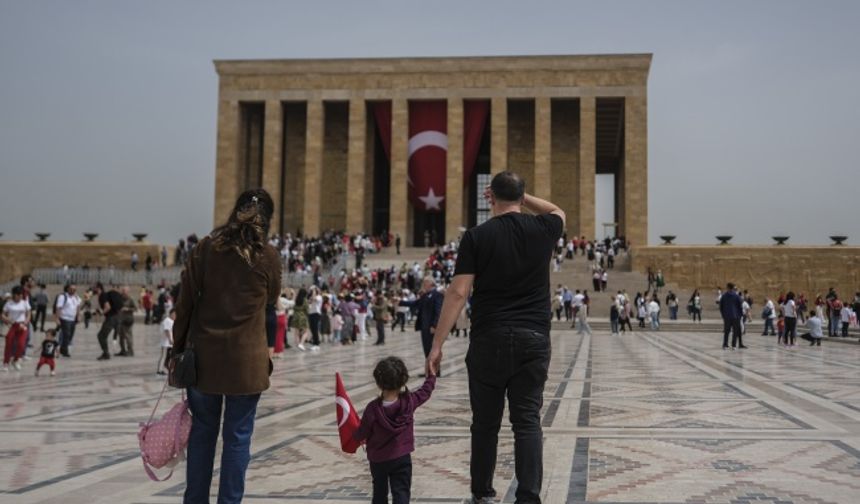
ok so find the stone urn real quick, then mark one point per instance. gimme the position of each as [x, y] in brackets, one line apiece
[91, 236]
[667, 239]
[837, 240]
[780, 240]
[724, 239]
[139, 237]
[42, 236]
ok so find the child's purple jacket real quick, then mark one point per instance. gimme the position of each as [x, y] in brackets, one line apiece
[388, 431]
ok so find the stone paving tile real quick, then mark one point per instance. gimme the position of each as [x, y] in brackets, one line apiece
[644, 418]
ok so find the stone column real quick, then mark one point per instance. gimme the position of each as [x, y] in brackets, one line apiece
[454, 176]
[273, 143]
[587, 166]
[313, 167]
[499, 135]
[227, 162]
[355, 167]
[635, 208]
[398, 222]
[543, 138]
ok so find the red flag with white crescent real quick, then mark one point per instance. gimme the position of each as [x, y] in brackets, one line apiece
[428, 146]
[347, 417]
[428, 153]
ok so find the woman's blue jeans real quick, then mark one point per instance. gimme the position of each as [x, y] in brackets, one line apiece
[238, 426]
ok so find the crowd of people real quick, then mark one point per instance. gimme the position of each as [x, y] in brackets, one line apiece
[827, 315]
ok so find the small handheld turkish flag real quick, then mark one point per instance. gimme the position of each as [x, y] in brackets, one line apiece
[347, 418]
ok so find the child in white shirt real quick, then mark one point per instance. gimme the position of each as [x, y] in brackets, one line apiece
[166, 342]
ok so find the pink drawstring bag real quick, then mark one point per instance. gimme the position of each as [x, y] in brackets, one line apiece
[163, 442]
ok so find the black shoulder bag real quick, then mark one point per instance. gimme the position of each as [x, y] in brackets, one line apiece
[183, 367]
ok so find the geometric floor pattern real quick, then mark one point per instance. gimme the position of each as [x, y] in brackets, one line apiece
[650, 417]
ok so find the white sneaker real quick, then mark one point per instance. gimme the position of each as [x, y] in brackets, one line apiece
[5, 369]
[301, 347]
[26, 357]
[53, 373]
[315, 348]
[17, 365]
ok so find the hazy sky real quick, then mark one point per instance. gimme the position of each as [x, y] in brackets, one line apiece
[107, 109]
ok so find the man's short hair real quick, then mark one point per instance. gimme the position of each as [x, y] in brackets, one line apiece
[508, 186]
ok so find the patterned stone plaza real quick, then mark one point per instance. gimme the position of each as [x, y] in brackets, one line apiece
[643, 418]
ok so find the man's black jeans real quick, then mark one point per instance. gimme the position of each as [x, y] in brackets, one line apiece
[508, 361]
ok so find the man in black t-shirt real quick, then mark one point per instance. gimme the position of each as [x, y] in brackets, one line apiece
[506, 260]
[111, 304]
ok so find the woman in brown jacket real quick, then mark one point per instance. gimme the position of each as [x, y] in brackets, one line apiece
[229, 279]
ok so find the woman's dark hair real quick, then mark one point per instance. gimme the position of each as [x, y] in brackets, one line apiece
[790, 295]
[17, 290]
[248, 225]
[301, 296]
[391, 374]
[508, 186]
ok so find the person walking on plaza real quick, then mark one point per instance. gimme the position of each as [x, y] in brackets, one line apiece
[166, 345]
[672, 303]
[49, 350]
[39, 303]
[429, 308]
[653, 308]
[695, 306]
[16, 313]
[67, 310]
[381, 316]
[386, 429]
[506, 259]
[731, 309]
[768, 314]
[229, 279]
[582, 318]
[111, 304]
[126, 322]
[789, 311]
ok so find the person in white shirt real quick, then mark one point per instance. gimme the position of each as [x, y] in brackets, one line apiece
[16, 313]
[66, 315]
[315, 301]
[789, 311]
[654, 313]
[815, 332]
[582, 317]
[745, 307]
[769, 315]
[845, 316]
[166, 342]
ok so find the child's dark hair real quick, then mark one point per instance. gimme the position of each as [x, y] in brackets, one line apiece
[391, 374]
[50, 332]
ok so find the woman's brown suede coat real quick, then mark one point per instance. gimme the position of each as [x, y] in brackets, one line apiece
[229, 330]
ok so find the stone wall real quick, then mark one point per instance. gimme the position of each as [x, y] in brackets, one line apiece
[521, 140]
[565, 159]
[18, 258]
[763, 270]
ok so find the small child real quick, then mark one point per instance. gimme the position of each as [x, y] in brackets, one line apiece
[166, 342]
[386, 426]
[49, 351]
[780, 329]
[336, 327]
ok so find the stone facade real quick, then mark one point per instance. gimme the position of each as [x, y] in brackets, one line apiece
[18, 258]
[763, 270]
[318, 139]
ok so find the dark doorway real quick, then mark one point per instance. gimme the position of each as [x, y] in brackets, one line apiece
[381, 185]
[428, 228]
[479, 210]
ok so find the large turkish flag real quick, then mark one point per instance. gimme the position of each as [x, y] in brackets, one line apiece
[428, 146]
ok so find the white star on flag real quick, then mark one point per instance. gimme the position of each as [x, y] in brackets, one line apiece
[431, 201]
